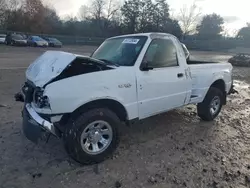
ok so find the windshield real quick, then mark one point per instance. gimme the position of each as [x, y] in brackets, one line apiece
[122, 51]
[17, 37]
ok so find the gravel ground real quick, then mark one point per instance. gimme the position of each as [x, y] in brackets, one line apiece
[175, 149]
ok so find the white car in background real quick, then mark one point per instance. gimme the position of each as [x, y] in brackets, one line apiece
[2, 38]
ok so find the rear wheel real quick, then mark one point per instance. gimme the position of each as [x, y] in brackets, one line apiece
[92, 136]
[211, 106]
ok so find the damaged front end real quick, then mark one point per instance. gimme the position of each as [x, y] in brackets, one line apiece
[35, 126]
[51, 67]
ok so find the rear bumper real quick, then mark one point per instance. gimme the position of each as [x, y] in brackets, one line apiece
[34, 126]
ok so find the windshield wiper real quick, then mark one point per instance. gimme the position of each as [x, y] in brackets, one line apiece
[109, 62]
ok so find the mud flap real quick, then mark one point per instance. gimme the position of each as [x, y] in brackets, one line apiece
[232, 90]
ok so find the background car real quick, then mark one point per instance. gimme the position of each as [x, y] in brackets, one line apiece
[37, 41]
[53, 42]
[15, 39]
[2, 38]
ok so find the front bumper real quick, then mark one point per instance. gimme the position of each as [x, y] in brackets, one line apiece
[34, 125]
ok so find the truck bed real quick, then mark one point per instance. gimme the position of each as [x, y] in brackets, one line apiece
[203, 74]
[192, 62]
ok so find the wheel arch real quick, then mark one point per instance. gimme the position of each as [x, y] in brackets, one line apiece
[111, 104]
[221, 85]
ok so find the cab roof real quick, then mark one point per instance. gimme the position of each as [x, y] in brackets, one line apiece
[151, 35]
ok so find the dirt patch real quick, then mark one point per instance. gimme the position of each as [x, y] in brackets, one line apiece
[175, 149]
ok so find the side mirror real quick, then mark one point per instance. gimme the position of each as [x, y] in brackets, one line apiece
[146, 67]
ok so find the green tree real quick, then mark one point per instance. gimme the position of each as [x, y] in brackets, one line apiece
[51, 22]
[173, 27]
[244, 32]
[161, 15]
[146, 16]
[34, 12]
[2, 12]
[211, 26]
[131, 12]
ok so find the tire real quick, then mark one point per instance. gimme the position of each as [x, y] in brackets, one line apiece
[205, 110]
[77, 128]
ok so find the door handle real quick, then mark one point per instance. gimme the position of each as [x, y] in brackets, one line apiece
[179, 75]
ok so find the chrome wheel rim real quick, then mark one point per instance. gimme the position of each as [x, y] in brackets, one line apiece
[215, 105]
[96, 137]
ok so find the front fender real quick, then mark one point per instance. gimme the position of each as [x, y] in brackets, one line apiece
[67, 95]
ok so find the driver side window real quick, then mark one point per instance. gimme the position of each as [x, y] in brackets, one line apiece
[161, 53]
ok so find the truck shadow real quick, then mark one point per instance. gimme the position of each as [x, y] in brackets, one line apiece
[173, 124]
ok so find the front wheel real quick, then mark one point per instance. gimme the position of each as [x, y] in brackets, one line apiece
[92, 136]
[211, 106]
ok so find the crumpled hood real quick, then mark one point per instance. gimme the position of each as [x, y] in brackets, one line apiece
[48, 66]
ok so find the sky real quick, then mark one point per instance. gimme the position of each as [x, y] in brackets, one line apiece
[235, 12]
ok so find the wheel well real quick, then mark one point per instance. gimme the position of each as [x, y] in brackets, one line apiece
[113, 105]
[220, 84]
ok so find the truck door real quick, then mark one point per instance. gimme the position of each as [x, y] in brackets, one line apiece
[162, 81]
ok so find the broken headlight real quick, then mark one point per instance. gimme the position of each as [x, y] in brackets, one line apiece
[40, 100]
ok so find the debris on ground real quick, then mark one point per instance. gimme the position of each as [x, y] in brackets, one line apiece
[36, 175]
[118, 184]
[152, 180]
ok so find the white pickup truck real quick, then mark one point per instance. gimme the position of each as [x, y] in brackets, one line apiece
[83, 100]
